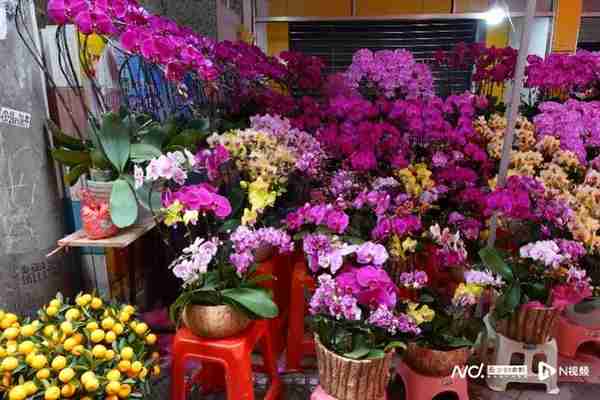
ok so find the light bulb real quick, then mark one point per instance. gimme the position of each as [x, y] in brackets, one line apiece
[495, 15]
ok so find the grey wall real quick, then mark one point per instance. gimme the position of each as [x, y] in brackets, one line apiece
[31, 211]
[200, 15]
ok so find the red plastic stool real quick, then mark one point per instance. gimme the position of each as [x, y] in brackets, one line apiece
[233, 354]
[422, 387]
[298, 343]
[571, 336]
[279, 266]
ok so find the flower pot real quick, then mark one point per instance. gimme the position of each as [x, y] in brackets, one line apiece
[396, 266]
[433, 362]
[101, 175]
[530, 325]
[100, 191]
[588, 317]
[215, 322]
[347, 379]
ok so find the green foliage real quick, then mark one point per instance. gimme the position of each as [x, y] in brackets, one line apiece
[353, 339]
[149, 198]
[492, 258]
[141, 152]
[257, 301]
[75, 173]
[123, 204]
[71, 158]
[114, 137]
[223, 286]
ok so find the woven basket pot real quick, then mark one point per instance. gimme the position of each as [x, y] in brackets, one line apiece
[432, 362]
[214, 322]
[396, 266]
[530, 325]
[346, 379]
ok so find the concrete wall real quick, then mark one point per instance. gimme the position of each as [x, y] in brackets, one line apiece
[31, 210]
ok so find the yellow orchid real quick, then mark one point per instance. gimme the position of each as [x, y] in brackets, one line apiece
[173, 213]
[420, 313]
[190, 216]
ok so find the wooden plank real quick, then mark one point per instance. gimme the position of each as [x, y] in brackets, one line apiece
[123, 239]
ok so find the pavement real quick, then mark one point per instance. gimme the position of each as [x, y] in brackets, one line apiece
[300, 386]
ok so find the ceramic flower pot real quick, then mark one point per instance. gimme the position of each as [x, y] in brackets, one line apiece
[346, 379]
[433, 362]
[530, 325]
[215, 322]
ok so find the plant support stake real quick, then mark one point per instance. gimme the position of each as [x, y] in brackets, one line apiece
[513, 110]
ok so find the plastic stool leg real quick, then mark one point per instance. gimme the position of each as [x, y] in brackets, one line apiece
[178, 387]
[295, 321]
[211, 377]
[551, 353]
[239, 380]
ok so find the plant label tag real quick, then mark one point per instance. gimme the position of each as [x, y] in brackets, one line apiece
[15, 117]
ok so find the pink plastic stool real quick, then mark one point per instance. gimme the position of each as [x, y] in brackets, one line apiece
[319, 394]
[422, 387]
[571, 336]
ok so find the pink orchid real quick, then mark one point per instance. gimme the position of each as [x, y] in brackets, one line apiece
[94, 21]
[63, 11]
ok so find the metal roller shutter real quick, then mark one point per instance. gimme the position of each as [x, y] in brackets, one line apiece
[336, 41]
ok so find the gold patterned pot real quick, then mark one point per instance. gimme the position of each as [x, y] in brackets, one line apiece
[347, 379]
[530, 325]
[215, 322]
[432, 362]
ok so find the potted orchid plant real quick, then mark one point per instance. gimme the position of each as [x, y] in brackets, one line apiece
[358, 322]
[451, 324]
[222, 288]
[541, 281]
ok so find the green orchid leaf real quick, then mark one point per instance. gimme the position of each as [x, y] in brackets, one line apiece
[201, 124]
[230, 225]
[144, 152]
[375, 354]
[70, 158]
[154, 137]
[395, 345]
[149, 198]
[115, 140]
[75, 173]
[258, 301]
[494, 261]
[123, 204]
[188, 139]
[357, 354]
[63, 140]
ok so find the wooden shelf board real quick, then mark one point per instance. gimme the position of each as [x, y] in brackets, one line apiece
[123, 239]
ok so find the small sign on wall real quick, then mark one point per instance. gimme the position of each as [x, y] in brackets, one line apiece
[15, 117]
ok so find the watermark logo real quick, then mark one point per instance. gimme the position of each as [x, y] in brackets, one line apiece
[545, 371]
[468, 371]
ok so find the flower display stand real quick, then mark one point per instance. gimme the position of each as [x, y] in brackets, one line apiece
[571, 336]
[423, 387]
[506, 348]
[233, 355]
[124, 271]
[320, 394]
